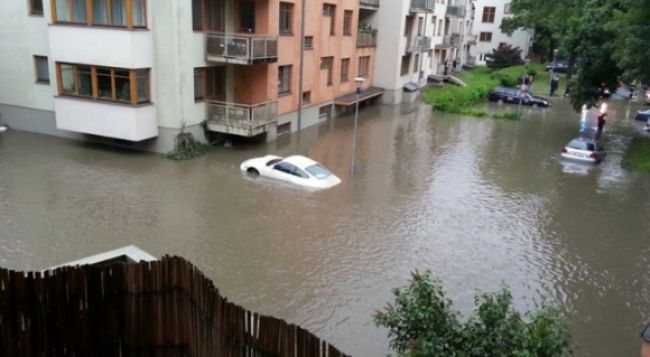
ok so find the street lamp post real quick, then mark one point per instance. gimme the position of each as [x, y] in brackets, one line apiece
[550, 80]
[523, 88]
[359, 82]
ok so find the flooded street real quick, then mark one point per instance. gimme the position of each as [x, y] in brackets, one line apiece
[476, 201]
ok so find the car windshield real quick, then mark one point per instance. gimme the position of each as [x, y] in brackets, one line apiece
[577, 144]
[273, 162]
[318, 171]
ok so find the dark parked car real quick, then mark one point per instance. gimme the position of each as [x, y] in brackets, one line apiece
[559, 66]
[643, 115]
[511, 95]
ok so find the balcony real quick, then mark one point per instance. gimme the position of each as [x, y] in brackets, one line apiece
[367, 39]
[369, 4]
[453, 40]
[455, 11]
[241, 119]
[419, 44]
[241, 48]
[119, 121]
[101, 46]
[423, 5]
[471, 39]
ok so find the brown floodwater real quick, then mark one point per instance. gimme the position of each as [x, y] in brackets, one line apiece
[477, 201]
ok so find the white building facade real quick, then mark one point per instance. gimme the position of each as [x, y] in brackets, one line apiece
[488, 18]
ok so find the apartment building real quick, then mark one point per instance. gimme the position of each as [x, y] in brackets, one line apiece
[137, 72]
[419, 38]
[489, 14]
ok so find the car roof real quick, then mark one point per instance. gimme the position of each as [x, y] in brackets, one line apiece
[300, 161]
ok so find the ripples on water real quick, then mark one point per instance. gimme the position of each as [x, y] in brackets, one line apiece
[479, 202]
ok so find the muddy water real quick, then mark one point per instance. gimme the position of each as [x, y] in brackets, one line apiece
[476, 201]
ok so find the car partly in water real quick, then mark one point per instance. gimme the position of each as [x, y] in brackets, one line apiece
[298, 170]
[584, 150]
[642, 115]
[512, 95]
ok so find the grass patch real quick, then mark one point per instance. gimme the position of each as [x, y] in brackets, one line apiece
[480, 81]
[638, 155]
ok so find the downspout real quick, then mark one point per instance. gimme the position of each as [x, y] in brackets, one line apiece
[420, 74]
[302, 64]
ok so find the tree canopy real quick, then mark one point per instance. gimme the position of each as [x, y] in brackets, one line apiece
[606, 38]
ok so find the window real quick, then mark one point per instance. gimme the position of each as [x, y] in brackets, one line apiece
[433, 24]
[199, 83]
[488, 14]
[405, 65]
[119, 13]
[247, 16]
[282, 129]
[364, 66]
[407, 26]
[36, 7]
[345, 69]
[347, 22]
[326, 63]
[286, 18]
[486, 37]
[309, 42]
[284, 79]
[306, 97]
[416, 63]
[329, 10]
[290, 169]
[197, 15]
[431, 59]
[42, 70]
[213, 15]
[420, 26]
[104, 83]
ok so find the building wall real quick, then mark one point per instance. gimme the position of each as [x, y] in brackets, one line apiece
[519, 38]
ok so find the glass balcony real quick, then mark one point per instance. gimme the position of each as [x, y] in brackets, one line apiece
[241, 119]
[241, 48]
[423, 5]
[455, 11]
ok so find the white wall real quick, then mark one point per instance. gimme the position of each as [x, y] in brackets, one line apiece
[133, 123]
[21, 37]
[519, 38]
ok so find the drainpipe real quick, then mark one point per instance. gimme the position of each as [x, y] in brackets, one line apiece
[302, 64]
[420, 74]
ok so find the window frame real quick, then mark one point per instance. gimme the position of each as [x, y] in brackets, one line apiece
[132, 76]
[311, 43]
[345, 70]
[331, 13]
[488, 14]
[485, 36]
[36, 58]
[289, 69]
[30, 6]
[327, 62]
[363, 65]
[288, 9]
[89, 13]
[348, 18]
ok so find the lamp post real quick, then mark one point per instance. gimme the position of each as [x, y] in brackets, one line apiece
[359, 82]
[523, 88]
[550, 79]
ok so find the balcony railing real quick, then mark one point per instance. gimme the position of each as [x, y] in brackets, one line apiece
[471, 39]
[423, 5]
[419, 44]
[367, 39]
[454, 40]
[455, 11]
[241, 48]
[241, 119]
[369, 3]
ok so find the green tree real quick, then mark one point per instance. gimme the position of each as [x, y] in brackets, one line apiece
[422, 322]
[631, 23]
[504, 56]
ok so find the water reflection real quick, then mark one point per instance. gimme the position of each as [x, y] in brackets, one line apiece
[477, 201]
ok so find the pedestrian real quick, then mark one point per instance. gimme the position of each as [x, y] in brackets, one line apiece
[555, 83]
[453, 66]
[446, 67]
[601, 125]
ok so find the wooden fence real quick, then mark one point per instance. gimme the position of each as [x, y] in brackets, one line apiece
[162, 308]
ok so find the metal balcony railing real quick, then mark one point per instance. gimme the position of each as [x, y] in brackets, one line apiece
[455, 11]
[423, 5]
[367, 39]
[454, 40]
[241, 119]
[419, 44]
[369, 3]
[241, 48]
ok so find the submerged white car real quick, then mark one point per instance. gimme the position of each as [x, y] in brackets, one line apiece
[584, 150]
[296, 169]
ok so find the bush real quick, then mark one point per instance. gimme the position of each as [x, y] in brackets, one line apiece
[186, 147]
[422, 322]
[638, 155]
[504, 56]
